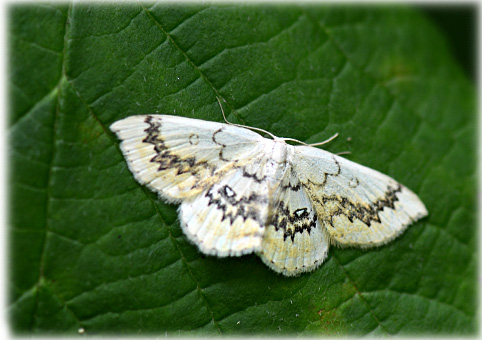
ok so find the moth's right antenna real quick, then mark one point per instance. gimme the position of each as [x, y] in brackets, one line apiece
[325, 141]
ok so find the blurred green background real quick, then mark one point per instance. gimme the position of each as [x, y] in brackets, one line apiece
[458, 23]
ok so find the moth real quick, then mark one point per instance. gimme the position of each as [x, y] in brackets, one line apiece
[241, 193]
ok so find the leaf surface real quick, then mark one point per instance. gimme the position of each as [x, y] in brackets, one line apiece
[91, 249]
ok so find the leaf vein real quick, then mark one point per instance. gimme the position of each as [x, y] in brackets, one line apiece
[47, 206]
[370, 309]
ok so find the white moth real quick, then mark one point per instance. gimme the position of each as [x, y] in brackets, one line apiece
[241, 193]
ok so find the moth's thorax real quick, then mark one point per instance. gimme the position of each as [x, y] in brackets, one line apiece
[279, 151]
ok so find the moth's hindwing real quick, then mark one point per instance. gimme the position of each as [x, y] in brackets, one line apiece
[229, 217]
[294, 241]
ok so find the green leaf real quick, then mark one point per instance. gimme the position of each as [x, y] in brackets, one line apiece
[91, 249]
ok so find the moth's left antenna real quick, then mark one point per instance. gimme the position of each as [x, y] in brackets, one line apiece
[244, 126]
[222, 110]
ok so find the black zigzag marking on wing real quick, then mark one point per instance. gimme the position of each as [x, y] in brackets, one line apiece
[165, 158]
[367, 213]
[299, 221]
[246, 207]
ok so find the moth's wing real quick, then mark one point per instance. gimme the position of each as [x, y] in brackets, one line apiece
[294, 241]
[229, 217]
[357, 205]
[180, 157]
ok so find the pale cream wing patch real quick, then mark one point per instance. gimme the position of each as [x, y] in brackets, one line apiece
[180, 157]
[294, 241]
[228, 218]
[358, 206]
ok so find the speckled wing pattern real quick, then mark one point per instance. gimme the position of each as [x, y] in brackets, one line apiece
[241, 193]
